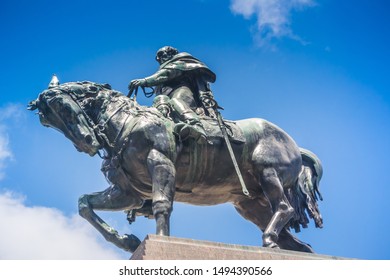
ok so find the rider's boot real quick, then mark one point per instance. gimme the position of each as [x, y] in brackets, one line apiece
[190, 127]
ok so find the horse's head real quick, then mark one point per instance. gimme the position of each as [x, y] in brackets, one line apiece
[60, 107]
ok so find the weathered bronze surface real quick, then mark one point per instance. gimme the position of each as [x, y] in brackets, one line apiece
[150, 165]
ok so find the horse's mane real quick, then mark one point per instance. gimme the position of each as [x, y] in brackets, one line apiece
[87, 89]
[95, 98]
[94, 94]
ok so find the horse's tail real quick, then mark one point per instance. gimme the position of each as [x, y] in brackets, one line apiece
[304, 196]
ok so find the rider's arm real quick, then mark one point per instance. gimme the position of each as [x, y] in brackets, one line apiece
[161, 76]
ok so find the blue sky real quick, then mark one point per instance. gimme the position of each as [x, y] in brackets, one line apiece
[316, 68]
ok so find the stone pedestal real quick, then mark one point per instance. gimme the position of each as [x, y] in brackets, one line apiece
[172, 248]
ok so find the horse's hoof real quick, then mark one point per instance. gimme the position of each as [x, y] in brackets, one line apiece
[130, 242]
[272, 245]
[269, 243]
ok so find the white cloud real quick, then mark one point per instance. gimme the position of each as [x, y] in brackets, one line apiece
[8, 112]
[5, 152]
[272, 16]
[40, 232]
[45, 233]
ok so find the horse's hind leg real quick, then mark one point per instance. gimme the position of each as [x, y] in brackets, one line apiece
[255, 210]
[258, 211]
[281, 208]
[288, 241]
[112, 199]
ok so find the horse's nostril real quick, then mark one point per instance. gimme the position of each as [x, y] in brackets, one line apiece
[77, 148]
[88, 139]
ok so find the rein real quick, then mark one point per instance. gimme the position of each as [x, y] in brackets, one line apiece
[101, 126]
[135, 91]
[91, 123]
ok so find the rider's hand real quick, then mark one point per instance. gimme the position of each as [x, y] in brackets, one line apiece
[134, 84]
[137, 83]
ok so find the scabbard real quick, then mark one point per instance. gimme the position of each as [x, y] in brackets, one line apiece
[231, 153]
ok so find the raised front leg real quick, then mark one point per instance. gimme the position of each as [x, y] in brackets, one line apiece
[112, 199]
[163, 173]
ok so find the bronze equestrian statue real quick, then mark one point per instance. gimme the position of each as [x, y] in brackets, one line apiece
[150, 166]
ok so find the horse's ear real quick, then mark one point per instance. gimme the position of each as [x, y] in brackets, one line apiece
[54, 81]
[107, 86]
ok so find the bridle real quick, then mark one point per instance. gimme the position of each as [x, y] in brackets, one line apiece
[99, 126]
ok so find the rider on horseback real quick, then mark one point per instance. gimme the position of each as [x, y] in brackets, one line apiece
[185, 80]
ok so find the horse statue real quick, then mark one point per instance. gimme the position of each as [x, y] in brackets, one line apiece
[149, 166]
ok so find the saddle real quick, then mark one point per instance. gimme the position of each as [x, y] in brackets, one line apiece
[209, 121]
[213, 130]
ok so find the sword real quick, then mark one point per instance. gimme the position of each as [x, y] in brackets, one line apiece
[230, 149]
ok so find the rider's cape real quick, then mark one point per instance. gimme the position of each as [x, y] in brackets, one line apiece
[186, 62]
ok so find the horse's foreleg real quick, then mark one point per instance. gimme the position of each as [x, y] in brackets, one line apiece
[162, 172]
[112, 199]
[282, 210]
